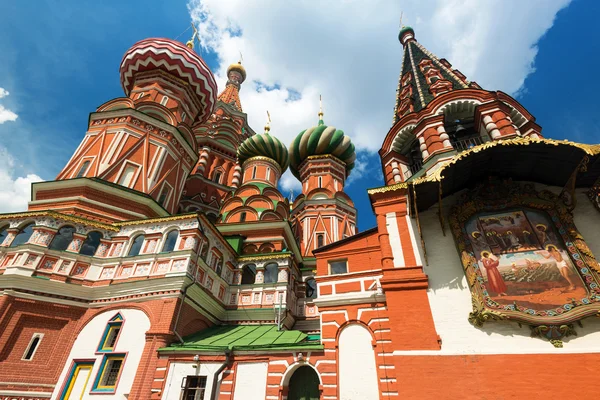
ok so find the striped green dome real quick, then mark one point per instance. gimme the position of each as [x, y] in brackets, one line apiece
[264, 145]
[321, 140]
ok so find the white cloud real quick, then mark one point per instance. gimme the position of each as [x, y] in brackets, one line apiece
[348, 51]
[6, 115]
[14, 192]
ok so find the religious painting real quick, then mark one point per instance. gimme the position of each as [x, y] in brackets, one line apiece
[524, 259]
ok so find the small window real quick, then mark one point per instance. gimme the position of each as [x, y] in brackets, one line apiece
[268, 174]
[140, 95]
[83, 169]
[164, 100]
[254, 173]
[111, 333]
[23, 235]
[243, 216]
[183, 116]
[170, 241]
[91, 243]
[320, 178]
[311, 288]
[193, 387]
[62, 239]
[127, 176]
[338, 267]
[33, 346]
[109, 372]
[3, 233]
[164, 193]
[249, 274]
[136, 246]
[271, 272]
[320, 240]
[217, 177]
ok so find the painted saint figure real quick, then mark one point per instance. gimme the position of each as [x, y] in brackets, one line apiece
[561, 263]
[495, 281]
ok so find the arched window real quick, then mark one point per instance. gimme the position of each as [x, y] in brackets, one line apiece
[23, 235]
[33, 346]
[136, 246]
[183, 117]
[164, 100]
[248, 274]
[62, 239]
[243, 216]
[254, 173]
[320, 240]
[170, 241]
[83, 169]
[271, 272]
[3, 233]
[311, 288]
[217, 177]
[91, 243]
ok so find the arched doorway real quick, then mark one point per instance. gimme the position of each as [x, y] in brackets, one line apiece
[304, 385]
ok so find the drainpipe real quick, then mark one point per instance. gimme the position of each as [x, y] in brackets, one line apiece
[184, 291]
[213, 392]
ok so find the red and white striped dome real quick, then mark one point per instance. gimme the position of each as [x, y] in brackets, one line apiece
[176, 59]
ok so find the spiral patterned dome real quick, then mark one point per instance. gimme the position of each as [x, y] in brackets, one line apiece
[264, 145]
[321, 140]
[173, 58]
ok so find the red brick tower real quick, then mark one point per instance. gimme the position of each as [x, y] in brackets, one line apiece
[322, 157]
[217, 171]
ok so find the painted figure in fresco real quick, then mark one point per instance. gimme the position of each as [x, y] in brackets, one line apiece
[541, 232]
[561, 263]
[495, 281]
[492, 238]
[512, 240]
[528, 239]
[478, 241]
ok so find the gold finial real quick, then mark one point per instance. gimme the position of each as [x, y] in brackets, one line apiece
[401, 26]
[241, 58]
[268, 125]
[320, 108]
[190, 43]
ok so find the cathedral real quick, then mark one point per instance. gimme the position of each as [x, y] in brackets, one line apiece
[164, 263]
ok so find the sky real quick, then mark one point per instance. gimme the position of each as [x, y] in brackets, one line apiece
[60, 61]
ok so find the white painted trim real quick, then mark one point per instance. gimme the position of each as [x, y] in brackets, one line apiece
[391, 226]
[413, 241]
[33, 337]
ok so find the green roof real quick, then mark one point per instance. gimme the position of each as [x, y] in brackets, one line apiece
[244, 337]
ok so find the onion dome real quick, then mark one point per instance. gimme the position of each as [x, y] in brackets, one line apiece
[405, 33]
[237, 68]
[321, 140]
[173, 58]
[264, 145]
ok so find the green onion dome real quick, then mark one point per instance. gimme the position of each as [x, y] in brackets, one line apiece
[404, 30]
[264, 145]
[321, 140]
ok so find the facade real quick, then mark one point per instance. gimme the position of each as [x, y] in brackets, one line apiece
[164, 263]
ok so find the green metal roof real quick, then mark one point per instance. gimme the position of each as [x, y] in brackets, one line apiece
[244, 338]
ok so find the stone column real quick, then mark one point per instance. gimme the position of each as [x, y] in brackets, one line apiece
[237, 175]
[203, 161]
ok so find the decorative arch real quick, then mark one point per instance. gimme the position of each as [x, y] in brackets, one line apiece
[151, 108]
[285, 379]
[115, 104]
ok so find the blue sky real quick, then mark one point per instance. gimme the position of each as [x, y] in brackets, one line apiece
[60, 61]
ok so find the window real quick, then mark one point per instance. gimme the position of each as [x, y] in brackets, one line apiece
[254, 173]
[83, 169]
[62, 239]
[164, 193]
[320, 240]
[33, 346]
[3, 233]
[217, 177]
[140, 95]
[136, 246]
[249, 274]
[311, 288]
[111, 334]
[271, 272]
[183, 116]
[193, 387]
[243, 216]
[23, 235]
[127, 176]
[170, 241]
[320, 178]
[268, 174]
[109, 372]
[338, 267]
[164, 100]
[91, 243]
